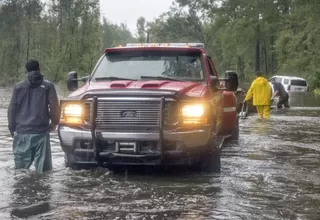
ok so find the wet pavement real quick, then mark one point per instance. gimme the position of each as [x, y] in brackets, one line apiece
[272, 172]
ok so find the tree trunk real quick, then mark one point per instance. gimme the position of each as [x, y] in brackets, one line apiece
[3, 61]
[241, 67]
[258, 55]
[28, 43]
[28, 27]
[265, 57]
[273, 55]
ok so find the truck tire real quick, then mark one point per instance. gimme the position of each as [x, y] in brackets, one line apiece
[235, 131]
[211, 161]
[68, 161]
[73, 166]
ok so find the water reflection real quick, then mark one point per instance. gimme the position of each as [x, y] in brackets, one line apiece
[31, 193]
[298, 99]
[272, 172]
[260, 127]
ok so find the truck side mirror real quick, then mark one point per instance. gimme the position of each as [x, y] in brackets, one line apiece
[84, 79]
[214, 83]
[232, 81]
[72, 82]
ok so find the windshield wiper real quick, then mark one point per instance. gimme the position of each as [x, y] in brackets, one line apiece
[160, 78]
[111, 78]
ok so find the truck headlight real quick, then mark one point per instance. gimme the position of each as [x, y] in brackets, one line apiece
[194, 114]
[72, 113]
[193, 110]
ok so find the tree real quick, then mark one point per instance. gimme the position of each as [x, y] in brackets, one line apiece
[285, 32]
[141, 28]
[115, 35]
[67, 36]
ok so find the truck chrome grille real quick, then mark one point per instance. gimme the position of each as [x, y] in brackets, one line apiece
[127, 114]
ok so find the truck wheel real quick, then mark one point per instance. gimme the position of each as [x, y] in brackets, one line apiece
[69, 162]
[211, 162]
[235, 131]
[73, 166]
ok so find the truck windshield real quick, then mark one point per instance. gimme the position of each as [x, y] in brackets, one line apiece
[146, 65]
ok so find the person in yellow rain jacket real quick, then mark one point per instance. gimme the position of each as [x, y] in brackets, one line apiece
[261, 92]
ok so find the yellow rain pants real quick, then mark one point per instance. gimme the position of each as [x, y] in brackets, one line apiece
[261, 92]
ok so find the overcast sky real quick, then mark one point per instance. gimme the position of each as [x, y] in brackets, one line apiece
[128, 11]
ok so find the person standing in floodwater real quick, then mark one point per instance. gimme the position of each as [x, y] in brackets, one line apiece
[32, 114]
[261, 92]
[280, 91]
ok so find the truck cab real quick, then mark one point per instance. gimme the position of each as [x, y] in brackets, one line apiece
[149, 104]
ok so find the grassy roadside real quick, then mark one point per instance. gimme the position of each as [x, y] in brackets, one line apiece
[317, 92]
[61, 88]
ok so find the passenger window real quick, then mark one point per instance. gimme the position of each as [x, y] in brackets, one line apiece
[278, 79]
[286, 81]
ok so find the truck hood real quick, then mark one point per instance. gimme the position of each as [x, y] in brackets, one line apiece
[191, 89]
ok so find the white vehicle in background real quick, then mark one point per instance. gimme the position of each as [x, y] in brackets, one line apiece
[291, 83]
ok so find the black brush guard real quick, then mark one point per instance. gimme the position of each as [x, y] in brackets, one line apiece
[95, 135]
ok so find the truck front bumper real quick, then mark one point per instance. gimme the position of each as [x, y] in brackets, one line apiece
[134, 148]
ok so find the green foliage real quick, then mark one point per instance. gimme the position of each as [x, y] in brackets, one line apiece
[141, 28]
[115, 35]
[288, 32]
[64, 35]
[67, 35]
[176, 25]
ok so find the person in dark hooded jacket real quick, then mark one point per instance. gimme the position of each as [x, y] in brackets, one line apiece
[32, 114]
[280, 91]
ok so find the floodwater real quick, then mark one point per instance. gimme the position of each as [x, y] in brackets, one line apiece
[272, 172]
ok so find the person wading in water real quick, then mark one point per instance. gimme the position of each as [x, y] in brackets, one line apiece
[279, 91]
[261, 92]
[32, 114]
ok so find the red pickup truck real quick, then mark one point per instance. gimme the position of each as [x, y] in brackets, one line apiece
[149, 104]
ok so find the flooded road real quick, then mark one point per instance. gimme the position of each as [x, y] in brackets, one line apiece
[273, 172]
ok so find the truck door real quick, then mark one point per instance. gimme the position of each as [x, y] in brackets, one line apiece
[217, 100]
[228, 108]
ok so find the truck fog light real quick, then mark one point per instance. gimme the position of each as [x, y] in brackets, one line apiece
[195, 121]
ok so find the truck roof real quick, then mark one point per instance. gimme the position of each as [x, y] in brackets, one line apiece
[187, 45]
[290, 77]
[162, 46]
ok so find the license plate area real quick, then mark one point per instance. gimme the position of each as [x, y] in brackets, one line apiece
[126, 147]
